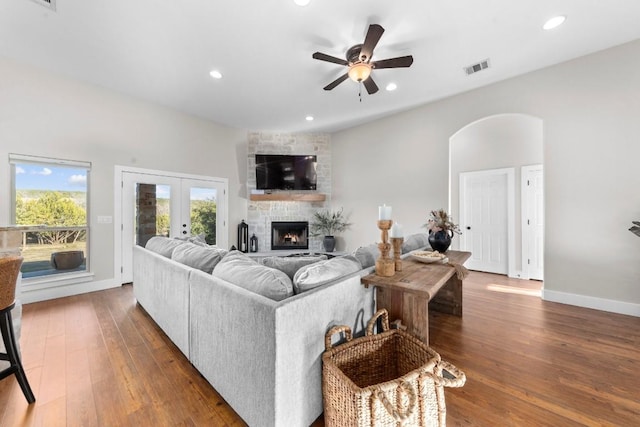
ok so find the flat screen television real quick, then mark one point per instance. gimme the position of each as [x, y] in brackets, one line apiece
[285, 172]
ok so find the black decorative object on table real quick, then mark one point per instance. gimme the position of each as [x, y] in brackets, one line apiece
[243, 237]
[441, 229]
[440, 240]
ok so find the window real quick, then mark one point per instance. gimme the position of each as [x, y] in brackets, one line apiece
[50, 200]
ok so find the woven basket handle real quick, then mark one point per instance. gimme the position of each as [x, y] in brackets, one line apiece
[458, 381]
[385, 321]
[395, 413]
[336, 330]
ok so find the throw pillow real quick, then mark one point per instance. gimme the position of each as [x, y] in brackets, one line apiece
[289, 265]
[320, 273]
[163, 245]
[239, 269]
[196, 256]
[198, 240]
[367, 255]
[415, 241]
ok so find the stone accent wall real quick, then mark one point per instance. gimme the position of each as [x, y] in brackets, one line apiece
[260, 214]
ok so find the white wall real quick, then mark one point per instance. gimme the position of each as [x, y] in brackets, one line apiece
[47, 115]
[589, 107]
[503, 141]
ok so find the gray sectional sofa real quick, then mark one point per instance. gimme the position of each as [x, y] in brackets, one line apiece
[255, 332]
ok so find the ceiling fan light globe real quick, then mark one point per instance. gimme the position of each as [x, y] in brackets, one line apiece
[359, 72]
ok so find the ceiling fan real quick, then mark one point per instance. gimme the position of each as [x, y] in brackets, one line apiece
[359, 61]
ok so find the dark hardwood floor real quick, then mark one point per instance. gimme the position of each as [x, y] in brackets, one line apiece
[99, 360]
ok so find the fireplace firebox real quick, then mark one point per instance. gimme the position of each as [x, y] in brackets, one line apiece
[289, 235]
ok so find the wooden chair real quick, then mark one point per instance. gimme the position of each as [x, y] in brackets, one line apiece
[9, 270]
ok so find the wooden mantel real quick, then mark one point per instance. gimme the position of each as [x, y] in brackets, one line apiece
[292, 197]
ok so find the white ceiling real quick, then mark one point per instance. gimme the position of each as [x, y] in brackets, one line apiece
[162, 51]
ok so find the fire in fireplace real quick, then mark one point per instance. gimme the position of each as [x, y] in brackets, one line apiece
[289, 235]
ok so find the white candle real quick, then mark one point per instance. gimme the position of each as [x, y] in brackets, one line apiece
[384, 212]
[396, 230]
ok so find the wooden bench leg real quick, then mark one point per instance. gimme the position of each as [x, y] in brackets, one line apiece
[449, 298]
[412, 309]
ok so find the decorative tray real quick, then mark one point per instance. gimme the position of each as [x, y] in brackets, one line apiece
[428, 257]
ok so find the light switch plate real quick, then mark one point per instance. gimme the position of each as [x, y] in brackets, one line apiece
[105, 219]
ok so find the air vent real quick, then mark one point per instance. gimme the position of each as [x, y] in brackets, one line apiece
[471, 69]
[49, 4]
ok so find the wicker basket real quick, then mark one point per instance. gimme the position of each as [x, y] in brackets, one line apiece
[387, 379]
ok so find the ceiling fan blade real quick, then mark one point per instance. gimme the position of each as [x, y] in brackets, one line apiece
[370, 41]
[337, 81]
[329, 58]
[399, 62]
[370, 85]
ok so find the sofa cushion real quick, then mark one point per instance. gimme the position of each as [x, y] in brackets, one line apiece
[196, 256]
[367, 255]
[290, 265]
[415, 241]
[198, 239]
[239, 269]
[163, 245]
[313, 275]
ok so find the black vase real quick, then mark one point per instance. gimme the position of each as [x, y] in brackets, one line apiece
[440, 240]
[329, 243]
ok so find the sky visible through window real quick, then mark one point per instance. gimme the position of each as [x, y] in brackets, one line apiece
[51, 178]
[164, 192]
[203, 194]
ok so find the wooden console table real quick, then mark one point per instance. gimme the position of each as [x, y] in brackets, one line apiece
[408, 294]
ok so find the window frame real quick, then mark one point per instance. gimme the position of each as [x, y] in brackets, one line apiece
[17, 159]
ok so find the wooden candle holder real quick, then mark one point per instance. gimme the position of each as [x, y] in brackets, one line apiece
[397, 251]
[385, 266]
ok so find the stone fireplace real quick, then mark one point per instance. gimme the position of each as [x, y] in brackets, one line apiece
[289, 235]
[260, 214]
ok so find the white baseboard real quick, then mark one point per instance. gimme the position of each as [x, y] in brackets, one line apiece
[609, 305]
[43, 294]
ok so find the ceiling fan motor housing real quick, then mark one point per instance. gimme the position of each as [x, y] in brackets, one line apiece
[353, 54]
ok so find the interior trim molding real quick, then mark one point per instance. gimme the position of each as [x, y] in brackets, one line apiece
[612, 306]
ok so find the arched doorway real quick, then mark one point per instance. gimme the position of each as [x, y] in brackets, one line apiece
[491, 161]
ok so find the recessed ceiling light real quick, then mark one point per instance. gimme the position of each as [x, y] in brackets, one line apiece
[309, 118]
[554, 22]
[215, 74]
[301, 2]
[392, 86]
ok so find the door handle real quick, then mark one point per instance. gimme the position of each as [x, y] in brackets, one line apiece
[468, 227]
[184, 232]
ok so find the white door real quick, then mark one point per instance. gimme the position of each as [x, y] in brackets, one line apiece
[484, 223]
[533, 221]
[169, 205]
[201, 206]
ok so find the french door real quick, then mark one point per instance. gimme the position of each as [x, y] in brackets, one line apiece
[155, 203]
